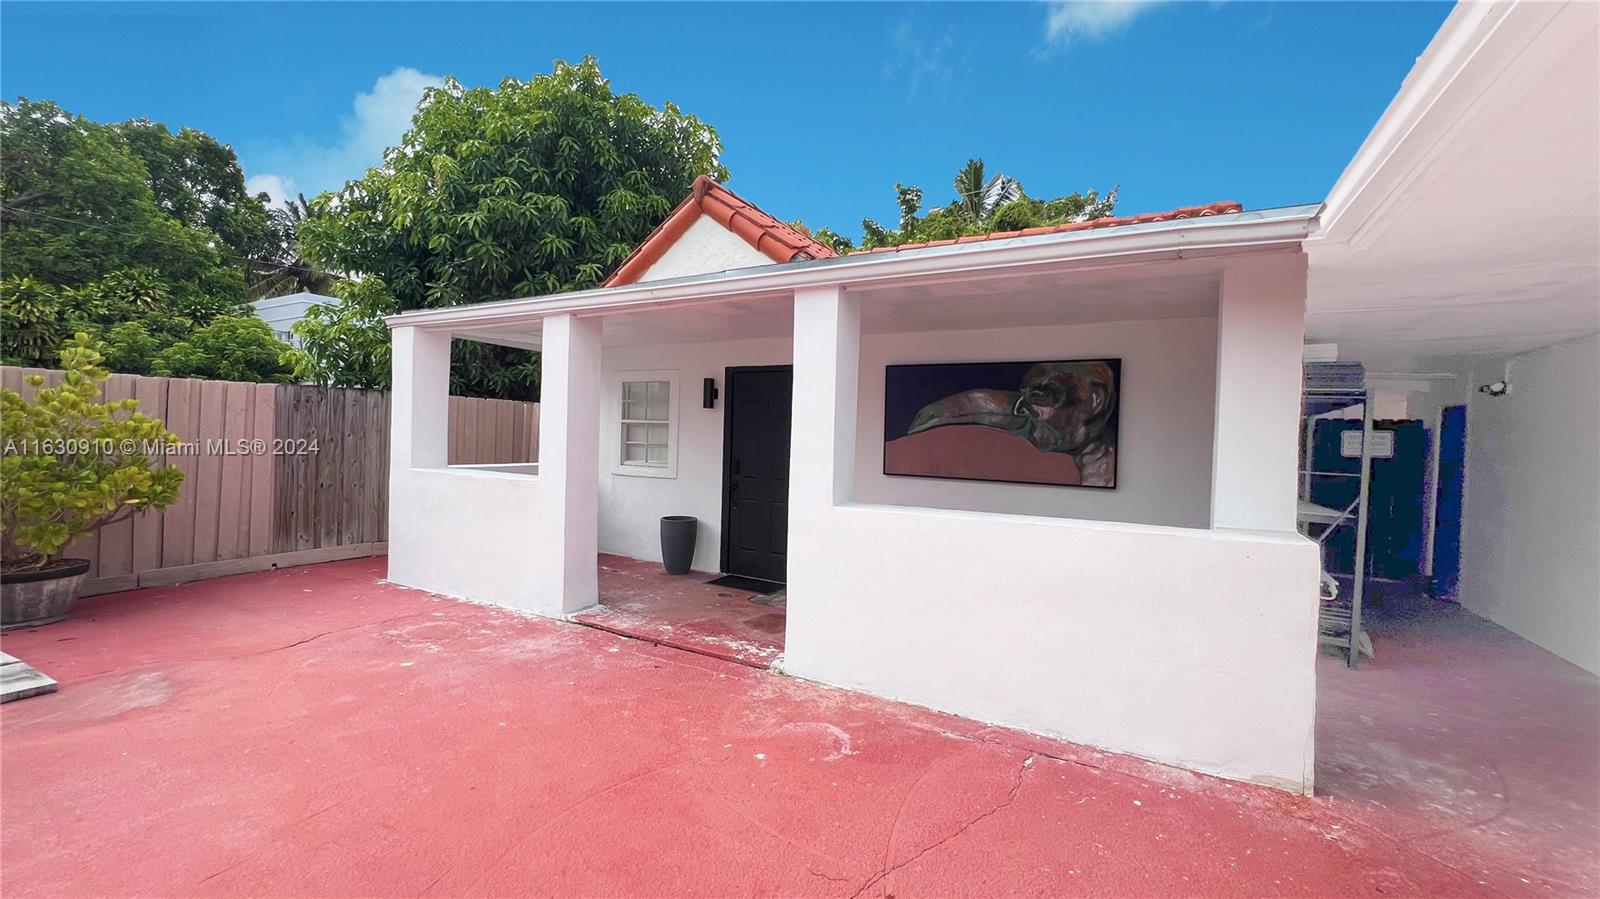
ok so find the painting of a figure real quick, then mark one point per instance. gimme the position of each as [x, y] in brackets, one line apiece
[1019, 422]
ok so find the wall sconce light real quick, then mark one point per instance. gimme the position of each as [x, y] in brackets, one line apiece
[1498, 388]
[708, 393]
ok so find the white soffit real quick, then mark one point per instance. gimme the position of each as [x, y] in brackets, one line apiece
[1469, 221]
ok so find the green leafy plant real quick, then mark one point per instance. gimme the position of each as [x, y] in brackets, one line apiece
[346, 344]
[74, 463]
[982, 205]
[531, 187]
[230, 348]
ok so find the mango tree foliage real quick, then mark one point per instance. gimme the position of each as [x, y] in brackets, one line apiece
[981, 205]
[346, 344]
[73, 464]
[534, 187]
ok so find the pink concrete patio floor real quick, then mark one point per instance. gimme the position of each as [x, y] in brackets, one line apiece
[639, 599]
[315, 731]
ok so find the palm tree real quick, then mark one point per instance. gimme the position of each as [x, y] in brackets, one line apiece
[977, 197]
[287, 270]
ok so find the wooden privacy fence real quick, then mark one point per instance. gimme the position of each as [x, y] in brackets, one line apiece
[274, 475]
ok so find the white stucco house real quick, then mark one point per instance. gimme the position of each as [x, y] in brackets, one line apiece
[1170, 614]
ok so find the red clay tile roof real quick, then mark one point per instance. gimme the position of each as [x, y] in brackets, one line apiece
[1183, 212]
[780, 242]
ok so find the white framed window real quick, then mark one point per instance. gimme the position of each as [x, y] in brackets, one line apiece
[647, 424]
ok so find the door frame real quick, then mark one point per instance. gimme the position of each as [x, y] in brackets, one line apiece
[727, 448]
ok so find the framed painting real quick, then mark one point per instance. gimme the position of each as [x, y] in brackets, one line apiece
[1052, 422]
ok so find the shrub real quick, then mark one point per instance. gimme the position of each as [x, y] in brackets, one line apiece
[73, 464]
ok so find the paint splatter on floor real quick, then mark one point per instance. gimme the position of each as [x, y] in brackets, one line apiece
[639, 599]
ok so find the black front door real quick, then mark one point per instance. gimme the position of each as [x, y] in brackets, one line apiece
[755, 473]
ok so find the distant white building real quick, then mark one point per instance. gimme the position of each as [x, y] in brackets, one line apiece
[280, 313]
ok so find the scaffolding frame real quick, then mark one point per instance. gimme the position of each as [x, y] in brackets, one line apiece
[1316, 403]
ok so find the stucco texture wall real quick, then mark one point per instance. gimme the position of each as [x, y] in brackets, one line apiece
[1530, 538]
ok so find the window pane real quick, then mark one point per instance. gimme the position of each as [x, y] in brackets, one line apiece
[633, 452]
[635, 433]
[656, 410]
[633, 390]
[656, 454]
[657, 390]
[633, 409]
[658, 434]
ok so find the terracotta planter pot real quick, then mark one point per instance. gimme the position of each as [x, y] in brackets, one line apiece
[32, 598]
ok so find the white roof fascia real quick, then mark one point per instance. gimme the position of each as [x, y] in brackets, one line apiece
[1238, 230]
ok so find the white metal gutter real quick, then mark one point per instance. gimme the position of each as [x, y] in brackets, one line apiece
[1290, 224]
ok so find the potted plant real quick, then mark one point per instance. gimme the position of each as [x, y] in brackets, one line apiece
[71, 465]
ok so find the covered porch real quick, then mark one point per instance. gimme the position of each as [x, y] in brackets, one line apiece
[1170, 614]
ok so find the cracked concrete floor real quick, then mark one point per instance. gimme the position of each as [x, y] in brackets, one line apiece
[314, 731]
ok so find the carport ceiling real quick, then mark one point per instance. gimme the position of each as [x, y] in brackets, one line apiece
[1470, 221]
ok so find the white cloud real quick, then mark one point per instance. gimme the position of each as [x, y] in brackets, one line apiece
[1091, 19]
[378, 119]
[277, 187]
[924, 63]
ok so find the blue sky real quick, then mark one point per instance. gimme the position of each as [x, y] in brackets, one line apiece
[822, 108]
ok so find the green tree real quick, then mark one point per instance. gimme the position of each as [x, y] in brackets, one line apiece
[110, 226]
[982, 205]
[284, 268]
[228, 348]
[76, 204]
[533, 187]
[346, 344]
[197, 180]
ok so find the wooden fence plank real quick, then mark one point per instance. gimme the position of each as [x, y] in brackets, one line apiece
[116, 540]
[233, 494]
[263, 468]
[208, 471]
[381, 505]
[183, 420]
[328, 461]
[152, 396]
[351, 486]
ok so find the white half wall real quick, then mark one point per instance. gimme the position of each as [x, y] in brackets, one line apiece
[1530, 536]
[522, 537]
[1188, 647]
[631, 507]
[1168, 402]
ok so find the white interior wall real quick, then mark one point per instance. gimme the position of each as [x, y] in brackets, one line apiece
[1168, 403]
[631, 507]
[705, 247]
[1530, 536]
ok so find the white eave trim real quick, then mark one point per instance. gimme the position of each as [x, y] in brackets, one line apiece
[1463, 71]
[1260, 228]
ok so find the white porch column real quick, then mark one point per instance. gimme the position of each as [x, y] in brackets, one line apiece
[827, 364]
[569, 453]
[822, 455]
[1255, 449]
[419, 422]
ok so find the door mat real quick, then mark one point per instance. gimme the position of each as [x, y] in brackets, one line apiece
[752, 584]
